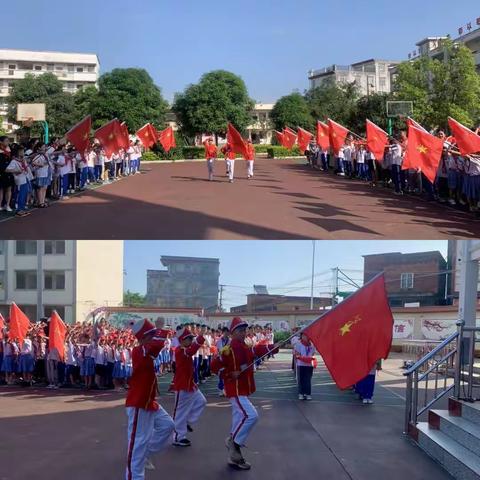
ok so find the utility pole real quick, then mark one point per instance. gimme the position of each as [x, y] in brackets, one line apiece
[313, 276]
[220, 302]
[335, 286]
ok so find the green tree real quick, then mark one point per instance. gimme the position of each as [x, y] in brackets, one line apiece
[292, 111]
[133, 299]
[48, 89]
[127, 94]
[85, 100]
[207, 107]
[335, 101]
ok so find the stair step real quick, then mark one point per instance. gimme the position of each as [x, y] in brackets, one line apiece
[459, 461]
[471, 411]
[460, 429]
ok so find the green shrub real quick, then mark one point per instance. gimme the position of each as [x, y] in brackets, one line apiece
[149, 156]
[280, 336]
[262, 148]
[282, 152]
[193, 152]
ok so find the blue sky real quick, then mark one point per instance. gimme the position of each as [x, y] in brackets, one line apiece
[284, 266]
[270, 43]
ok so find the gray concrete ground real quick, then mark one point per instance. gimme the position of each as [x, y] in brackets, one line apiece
[76, 435]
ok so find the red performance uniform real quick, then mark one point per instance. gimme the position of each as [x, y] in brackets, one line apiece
[143, 382]
[228, 152]
[184, 369]
[235, 357]
[250, 151]
[210, 150]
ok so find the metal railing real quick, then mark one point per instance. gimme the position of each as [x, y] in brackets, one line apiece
[452, 363]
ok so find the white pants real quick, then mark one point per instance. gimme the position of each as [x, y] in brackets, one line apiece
[149, 432]
[244, 418]
[188, 408]
[250, 168]
[230, 168]
[210, 164]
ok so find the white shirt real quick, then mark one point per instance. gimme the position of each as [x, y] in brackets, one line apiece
[175, 344]
[304, 351]
[396, 152]
[17, 166]
[27, 347]
[361, 154]
[99, 355]
[348, 153]
[40, 163]
[91, 159]
[70, 354]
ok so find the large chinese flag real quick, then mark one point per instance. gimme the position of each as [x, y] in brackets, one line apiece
[377, 140]
[110, 136]
[290, 138]
[280, 138]
[2, 326]
[19, 323]
[125, 137]
[467, 141]
[236, 141]
[338, 134]
[355, 334]
[57, 332]
[303, 139]
[79, 135]
[167, 139]
[412, 123]
[323, 135]
[146, 135]
[424, 151]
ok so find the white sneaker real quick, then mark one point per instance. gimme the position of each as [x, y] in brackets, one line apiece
[221, 393]
[307, 397]
[370, 400]
[365, 401]
[149, 465]
[300, 396]
[8, 209]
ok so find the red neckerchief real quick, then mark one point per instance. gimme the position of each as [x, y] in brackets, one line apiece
[6, 151]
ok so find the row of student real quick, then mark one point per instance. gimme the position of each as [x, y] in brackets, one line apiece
[31, 173]
[457, 180]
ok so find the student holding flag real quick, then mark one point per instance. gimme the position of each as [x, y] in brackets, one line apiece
[210, 156]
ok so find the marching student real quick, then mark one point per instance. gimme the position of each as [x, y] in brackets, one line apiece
[235, 365]
[62, 163]
[223, 341]
[210, 155]
[87, 370]
[229, 161]
[250, 159]
[149, 426]
[305, 360]
[189, 400]
[362, 167]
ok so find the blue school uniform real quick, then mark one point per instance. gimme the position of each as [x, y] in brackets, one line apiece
[26, 363]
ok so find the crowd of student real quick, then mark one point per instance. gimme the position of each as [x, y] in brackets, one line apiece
[457, 181]
[33, 173]
[99, 356]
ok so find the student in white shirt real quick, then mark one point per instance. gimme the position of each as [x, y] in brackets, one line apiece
[19, 168]
[27, 362]
[398, 176]
[99, 165]
[91, 160]
[41, 167]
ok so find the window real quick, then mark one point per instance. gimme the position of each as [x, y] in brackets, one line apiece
[54, 247]
[26, 247]
[2, 247]
[30, 311]
[54, 280]
[383, 83]
[12, 67]
[59, 68]
[381, 67]
[38, 67]
[2, 280]
[406, 281]
[71, 68]
[26, 279]
[60, 309]
[50, 67]
[91, 69]
[79, 69]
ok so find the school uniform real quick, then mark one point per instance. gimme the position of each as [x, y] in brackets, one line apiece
[365, 387]
[149, 425]
[229, 161]
[471, 184]
[348, 159]
[189, 400]
[88, 364]
[361, 165]
[91, 161]
[81, 162]
[99, 164]
[19, 169]
[211, 156]
[250, 159]
[9, 363]
[341, 161]
[41, 170]
[26, 361]
[53, 358]
[70, 361]
[118, 372]
[304, 354]
[220, 344]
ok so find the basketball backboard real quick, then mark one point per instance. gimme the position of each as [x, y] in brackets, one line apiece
[31, 112]
[398, 109]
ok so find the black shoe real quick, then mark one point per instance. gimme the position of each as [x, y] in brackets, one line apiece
[240, 465]
[184, 442]
[189, 428]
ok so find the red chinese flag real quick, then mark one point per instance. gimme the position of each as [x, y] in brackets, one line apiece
[377, 140]
[2, 326]
[424, 151]
[125, 136]
[19, 323]
[412, 123]
[79, 135]
[57, 332]
[338, 134]
[290, 138]
[155, 133]
[167, 139]
[110, 136]
[323, 135]
[355, 334]
[280, 138]
[467, 141]
[303, 139]
[147, 136]
[236, 141]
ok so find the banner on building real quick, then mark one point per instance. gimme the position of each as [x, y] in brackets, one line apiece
[403, 329]
[438, 330]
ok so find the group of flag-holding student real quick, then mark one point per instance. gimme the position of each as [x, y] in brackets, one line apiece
[439, 166]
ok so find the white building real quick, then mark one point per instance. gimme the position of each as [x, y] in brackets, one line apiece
[72, 277]
[371, 76]
[75, 70]
[261, 129]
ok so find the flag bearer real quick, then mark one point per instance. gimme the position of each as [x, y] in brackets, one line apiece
[189, 400]
[149, 425]
[227, 150]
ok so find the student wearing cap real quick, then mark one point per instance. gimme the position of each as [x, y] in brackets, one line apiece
[235, 366]
[210, 155]
[149, 425]
[189, 400]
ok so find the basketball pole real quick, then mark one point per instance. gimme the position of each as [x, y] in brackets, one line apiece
[45, 132]
[390, 126]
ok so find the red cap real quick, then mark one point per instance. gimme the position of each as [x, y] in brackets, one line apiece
[236, 323]
[142, 328]
[184, 333]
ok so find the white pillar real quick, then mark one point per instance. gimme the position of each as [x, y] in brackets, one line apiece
[467, 308]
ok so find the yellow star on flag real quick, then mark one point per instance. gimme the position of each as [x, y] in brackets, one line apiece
[110, 136]
[147, 134]
[345, 329]
[334, 134]
[422, 149]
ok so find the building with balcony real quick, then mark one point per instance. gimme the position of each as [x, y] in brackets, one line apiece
[412, 279]
[71, 277]
[187, 282]
[261, 129]
[75, 70]
[370, 76]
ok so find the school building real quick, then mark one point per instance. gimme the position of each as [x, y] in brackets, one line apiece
[74, 70]
[71, 277]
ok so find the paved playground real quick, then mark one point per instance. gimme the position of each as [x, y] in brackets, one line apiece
[285, 200]
[75, 435]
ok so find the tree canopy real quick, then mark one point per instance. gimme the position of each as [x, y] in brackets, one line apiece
[292, 111]
[207, 107]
